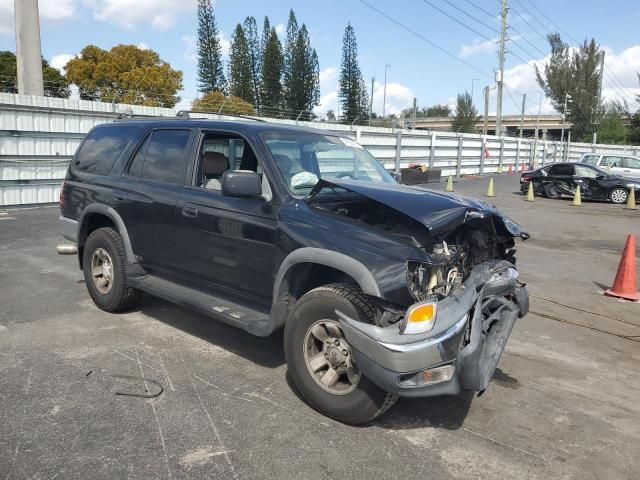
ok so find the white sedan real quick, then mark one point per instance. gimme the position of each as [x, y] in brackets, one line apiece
[623, 165]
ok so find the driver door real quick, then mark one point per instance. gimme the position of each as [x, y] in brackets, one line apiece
[590, 185]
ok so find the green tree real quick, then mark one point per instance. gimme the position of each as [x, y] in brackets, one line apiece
[216, 101]
[210, 67]
[466, 116]
[352, 91]
[266, 33]
[240, 70]
[55, 84]
[253, 45]
[301, 78]
[612, 129]
[271, 86]
[125, 74]
[577, 73]
[436, 111]
[634, 126]
[331, 116]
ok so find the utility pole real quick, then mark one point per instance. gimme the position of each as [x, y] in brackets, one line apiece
[503, 39]
[28, 49]
[384, 95]
[564, 115]
[535, 141]
[600, 111]
[373, 79]
[486, 109]
[415, 106]
[524, 101]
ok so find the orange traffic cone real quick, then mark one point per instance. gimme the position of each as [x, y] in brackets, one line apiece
[625, 285]
[510, 172]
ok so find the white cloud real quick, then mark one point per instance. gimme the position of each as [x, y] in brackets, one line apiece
[280, 29]
[488, 46]
[620, 82]
[59, 61]
[398, 97]
[49, 10]
[328, 77]
[328, 101]
[191, 47]
[161, 14]
[190, 52]
[143, 46]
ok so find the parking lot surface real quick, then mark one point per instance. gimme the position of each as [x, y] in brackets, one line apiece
[563, 403]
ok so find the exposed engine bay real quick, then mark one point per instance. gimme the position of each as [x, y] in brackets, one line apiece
[451, 255]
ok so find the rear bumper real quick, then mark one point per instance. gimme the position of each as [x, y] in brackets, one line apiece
[462, 338]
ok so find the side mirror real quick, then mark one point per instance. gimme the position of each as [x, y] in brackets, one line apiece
[241, 183]
[600, 176]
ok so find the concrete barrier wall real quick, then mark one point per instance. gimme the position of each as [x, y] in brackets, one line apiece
[39, 135]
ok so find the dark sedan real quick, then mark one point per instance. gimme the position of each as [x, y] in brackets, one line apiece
[554, 181]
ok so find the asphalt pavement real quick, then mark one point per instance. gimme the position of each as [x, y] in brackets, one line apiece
[563, 403]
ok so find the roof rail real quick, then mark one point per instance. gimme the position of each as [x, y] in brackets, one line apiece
[186, 114]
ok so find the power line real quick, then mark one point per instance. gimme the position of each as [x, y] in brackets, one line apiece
[460, 22]
[544, 37]
[492, 15]
[548, 19]
[493, 29]
[527, 40]
[434, 45]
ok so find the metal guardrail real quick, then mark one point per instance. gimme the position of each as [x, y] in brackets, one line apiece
[39, 135]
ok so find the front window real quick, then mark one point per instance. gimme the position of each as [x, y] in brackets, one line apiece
[304, 158]
[590, 159]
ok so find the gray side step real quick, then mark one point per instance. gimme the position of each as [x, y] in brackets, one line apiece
[236, 312]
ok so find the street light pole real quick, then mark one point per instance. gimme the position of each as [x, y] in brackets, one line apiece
[384, 95]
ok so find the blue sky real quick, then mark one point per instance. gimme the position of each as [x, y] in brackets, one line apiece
[417, 68]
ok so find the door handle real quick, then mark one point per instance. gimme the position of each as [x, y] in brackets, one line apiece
[120, 196]
[189, 211]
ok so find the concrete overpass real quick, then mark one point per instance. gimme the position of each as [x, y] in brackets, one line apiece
[550, 126]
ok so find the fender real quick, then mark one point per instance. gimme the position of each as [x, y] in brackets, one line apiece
[320, 256]
[132, 267]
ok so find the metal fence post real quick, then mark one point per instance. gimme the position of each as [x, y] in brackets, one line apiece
[483, 147]
[501, 159]
[544, 154]
[517, 154]
[635, 151]
[432, 150]
[555, 152]
[358, 134]
[398, 152]
[459, 160]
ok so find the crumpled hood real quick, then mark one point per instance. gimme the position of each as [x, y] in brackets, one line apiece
[439, 212]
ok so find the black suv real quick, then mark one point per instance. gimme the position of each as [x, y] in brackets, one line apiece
[383, 290]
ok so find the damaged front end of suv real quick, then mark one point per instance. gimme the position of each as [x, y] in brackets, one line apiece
[465, 296]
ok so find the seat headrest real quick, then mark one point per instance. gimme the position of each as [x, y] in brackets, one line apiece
[214, 163]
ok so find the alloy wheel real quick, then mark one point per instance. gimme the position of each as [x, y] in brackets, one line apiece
[329, 359]
[102, 270]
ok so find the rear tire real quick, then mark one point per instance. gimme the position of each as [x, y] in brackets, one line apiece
[550, 191]
[103, 265]
[618, 195]
[312, 331]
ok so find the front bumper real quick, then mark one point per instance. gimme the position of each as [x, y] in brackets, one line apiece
[464, 336]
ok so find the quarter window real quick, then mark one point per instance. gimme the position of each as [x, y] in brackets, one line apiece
[102, 148]
[162, 157]
[561, 170]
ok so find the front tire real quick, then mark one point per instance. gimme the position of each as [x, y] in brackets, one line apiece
[618, 195]
[103, 265]
[550, 191]
[320, 360]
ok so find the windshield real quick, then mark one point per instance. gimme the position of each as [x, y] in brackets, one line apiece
[304, 158]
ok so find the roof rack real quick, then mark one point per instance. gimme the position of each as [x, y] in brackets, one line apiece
[181, 115]
[186, 114]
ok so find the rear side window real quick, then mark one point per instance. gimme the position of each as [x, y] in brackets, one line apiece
[561, 170]
[102, 148]
[162, 156]
[630, 162]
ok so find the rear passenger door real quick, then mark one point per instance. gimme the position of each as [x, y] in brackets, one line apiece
[562, 178]
[150, 190]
